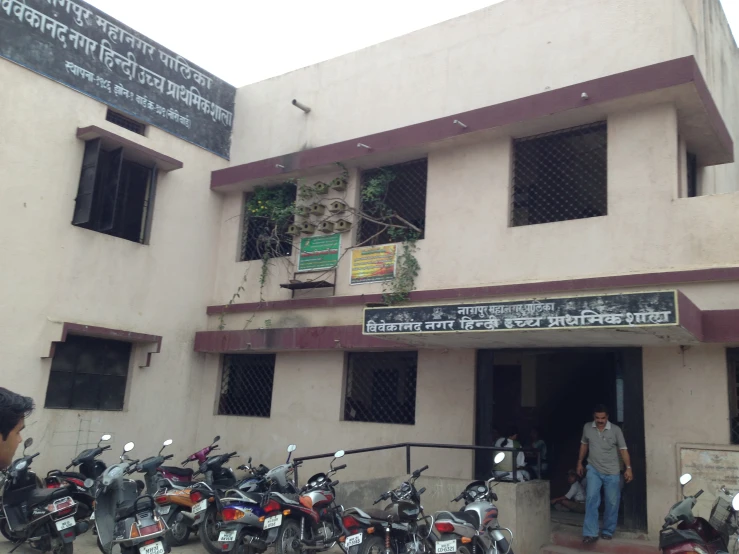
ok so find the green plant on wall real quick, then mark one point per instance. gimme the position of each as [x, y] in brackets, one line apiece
[271, 210]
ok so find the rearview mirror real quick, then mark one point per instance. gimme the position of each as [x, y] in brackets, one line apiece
[215, 440]
[735, 503]
[339, 454]
[28, 443]
[685, 479]
[167, 442]
[128, 447]
[499, 457]
[291, 448]
[105, 437]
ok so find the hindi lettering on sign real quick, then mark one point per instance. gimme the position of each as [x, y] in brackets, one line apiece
[619, 310]
[92, 53]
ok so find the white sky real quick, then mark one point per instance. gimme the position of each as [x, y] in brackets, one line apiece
[244, 41]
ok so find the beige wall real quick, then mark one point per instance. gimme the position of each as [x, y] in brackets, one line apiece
[52, 271]
[307, 409]
[469, 242]
[685, 401]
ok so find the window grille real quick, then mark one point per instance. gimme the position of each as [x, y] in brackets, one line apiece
[246, 385]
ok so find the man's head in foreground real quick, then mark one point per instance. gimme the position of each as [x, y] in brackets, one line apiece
[14, 409]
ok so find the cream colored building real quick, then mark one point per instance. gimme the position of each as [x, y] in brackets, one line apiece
[584, 152]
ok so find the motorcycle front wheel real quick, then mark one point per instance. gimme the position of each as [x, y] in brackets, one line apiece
[179, 532]
[288, 539]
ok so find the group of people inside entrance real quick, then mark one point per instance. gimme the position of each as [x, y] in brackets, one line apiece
[605, 448]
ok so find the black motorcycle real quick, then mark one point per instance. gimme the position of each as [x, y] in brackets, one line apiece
[41, 517]
[89, 468]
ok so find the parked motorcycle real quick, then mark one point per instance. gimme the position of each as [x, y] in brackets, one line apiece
[476, 527]
[309, 521]
[90, 469]
[42, 517]
[684, 532]
[405, 529]
[182, 476]
[124, 518]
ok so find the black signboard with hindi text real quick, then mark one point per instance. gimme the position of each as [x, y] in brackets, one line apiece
[79, 46]
[642, 309]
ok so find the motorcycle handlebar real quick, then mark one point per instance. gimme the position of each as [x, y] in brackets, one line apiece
[333, 483]
[698, 493]
[384, 496]
[106, 448]
[337, 468]
[418, 472]
[185, 462]
[69, 466]
[169, 457]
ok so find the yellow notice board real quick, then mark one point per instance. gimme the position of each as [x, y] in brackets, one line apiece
[373, 264]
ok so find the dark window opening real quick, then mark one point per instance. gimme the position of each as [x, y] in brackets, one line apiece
[381, 387]
[404, 195]
[114, 194]
[125, 122]
[88, 374]
[692, 173]
[732, 359]
[246, 385]
[560, 176]
[262, 234]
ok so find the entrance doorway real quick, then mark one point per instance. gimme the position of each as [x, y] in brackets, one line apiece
[554, 391]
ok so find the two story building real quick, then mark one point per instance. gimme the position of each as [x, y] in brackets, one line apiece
[502, 220]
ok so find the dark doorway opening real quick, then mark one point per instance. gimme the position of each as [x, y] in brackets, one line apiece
[554, 391]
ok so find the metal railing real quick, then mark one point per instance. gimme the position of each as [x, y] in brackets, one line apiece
[409, 445]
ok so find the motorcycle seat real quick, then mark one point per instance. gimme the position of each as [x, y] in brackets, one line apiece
[460, 517]
[44, 496]
[373, 513]
[179, 471]
[128, 508]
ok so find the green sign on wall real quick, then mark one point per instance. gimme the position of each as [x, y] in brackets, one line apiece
[317, 253]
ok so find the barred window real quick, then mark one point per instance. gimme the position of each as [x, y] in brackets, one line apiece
[560, 176]
[381, 387]
[246, 385]
[264, 230]
[692, 174]
[88, 374]
[125, 122]
[392, 194]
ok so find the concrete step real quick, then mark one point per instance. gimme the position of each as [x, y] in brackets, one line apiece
[568, 543]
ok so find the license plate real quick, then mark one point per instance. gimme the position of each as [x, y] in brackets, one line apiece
[227, 536]
[164, 510]
[63, 524]
[274, 521]
[353, 540]
[200, 507]
[156, 548]
[445, 547]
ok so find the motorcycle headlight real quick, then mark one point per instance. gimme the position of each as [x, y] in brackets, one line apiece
[21, 465]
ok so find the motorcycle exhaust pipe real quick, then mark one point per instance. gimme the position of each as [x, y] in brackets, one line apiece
[318, 546]
[259, 544]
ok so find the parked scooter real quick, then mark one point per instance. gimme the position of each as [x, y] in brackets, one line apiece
[183, 476]
[476, 527]
[90, 469]
[124, 518]
[405, 528]
[44, 518]
[695, 534]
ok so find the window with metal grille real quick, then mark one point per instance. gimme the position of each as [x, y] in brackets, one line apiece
[692, 174]
[402, 199]
[246, 385]
[125, 122]
[114, 194]
[88, 374]
[381, 387]
[262, 235]
[560, 176]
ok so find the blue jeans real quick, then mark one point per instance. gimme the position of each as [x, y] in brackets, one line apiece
[611, 485]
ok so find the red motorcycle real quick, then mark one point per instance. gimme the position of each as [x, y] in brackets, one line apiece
[695, 534]
[182, 477]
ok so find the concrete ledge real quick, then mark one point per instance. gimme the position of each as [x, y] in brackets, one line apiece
[523, 507]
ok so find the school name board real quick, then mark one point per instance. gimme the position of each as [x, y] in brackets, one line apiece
[647, 309]
[81, 47]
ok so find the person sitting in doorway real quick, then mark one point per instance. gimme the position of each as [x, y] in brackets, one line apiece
[504, 470]
[574, 500]
[537, 443]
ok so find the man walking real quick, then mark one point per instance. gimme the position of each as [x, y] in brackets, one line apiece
[602, 442]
